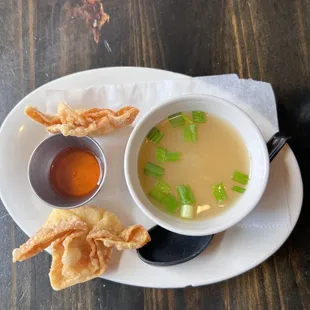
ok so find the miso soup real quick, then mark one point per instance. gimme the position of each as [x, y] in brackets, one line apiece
[193, 165]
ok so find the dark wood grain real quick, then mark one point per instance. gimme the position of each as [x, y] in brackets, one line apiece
[261, 39]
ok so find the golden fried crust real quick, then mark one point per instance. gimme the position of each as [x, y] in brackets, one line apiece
[81, 243]
[81, 123]
[41, 118]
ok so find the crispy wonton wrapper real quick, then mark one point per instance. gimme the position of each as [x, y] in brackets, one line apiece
[81, 123]
[81, 241]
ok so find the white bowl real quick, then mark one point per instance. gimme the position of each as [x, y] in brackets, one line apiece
[255, 144]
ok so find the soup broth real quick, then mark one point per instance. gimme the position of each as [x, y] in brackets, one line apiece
[218, 152]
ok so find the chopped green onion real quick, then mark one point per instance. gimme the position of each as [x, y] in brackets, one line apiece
[219, 192]
[240, 177]
[187, 119]
[199, 116]
[170, 202]
[238, 189]
[161, 154]
[190, 133]
[163, 187]
[173, 156]
[187, 211]
[157, 194]
[155, 135]
[161, 193]
[160, 190]
[185, 193]
[152, 133]
[176, 120]
[158, 137]
[153, 170]
[193, 129]
[187, 134]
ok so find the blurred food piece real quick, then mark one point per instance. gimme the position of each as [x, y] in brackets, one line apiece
[92, 12]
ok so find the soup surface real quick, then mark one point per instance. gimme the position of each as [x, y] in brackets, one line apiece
[218, 152]
[75, 172]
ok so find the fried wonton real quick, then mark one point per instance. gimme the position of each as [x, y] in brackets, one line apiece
[81, 123]
[81, 243]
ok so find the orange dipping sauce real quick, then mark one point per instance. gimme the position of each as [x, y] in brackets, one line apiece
[75, 172]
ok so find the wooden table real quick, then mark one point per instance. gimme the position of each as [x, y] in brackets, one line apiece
[261, 39]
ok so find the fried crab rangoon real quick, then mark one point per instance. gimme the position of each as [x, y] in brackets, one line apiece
[81, 123]
[81, 243]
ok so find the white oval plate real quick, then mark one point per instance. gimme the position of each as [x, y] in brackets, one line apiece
[230, 254]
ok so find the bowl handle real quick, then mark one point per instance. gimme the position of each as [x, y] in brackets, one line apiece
[275, 144]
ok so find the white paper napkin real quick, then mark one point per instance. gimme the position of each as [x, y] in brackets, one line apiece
[272, 211]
